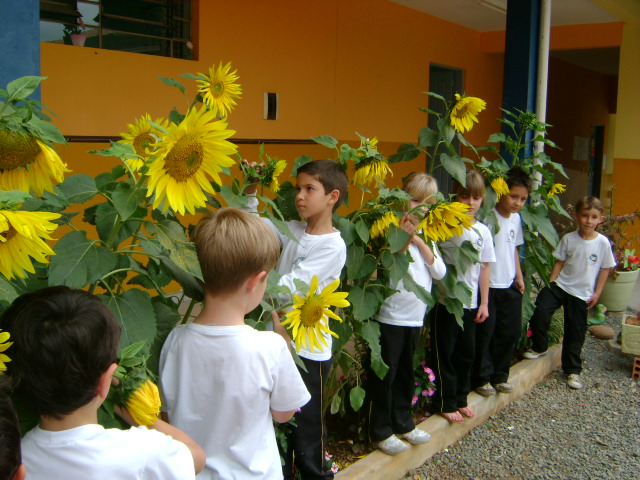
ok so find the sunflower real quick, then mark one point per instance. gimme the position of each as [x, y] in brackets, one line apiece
[445, 221]
[277, 166]
[27, 163]
[144, 403]
[381, 225]
[4, 344]
[218, 90]
[557, 189]
[371, 172]
[188, 156]
[22, 237]
[142, 136]
[309, 318]
[464, 112]
[500, 187]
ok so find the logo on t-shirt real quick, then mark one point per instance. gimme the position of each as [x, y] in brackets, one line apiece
[298, 260]
[479, 242]
[512, 235]
[593, 259]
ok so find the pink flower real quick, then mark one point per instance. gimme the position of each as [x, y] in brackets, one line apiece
[327, 457]
[529, 333]
[425, 393]
[335, 468]
[423, 363]
[414, 400]
[430, 392]
[417, 383]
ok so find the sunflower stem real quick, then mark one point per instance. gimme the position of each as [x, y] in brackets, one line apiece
[187, 314]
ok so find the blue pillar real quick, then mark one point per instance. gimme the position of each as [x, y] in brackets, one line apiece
[521, 56]
[19, 40]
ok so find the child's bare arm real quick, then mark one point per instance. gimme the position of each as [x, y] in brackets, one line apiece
[282, 417]
[279, 329]
[602, 279]
[483, 308]
[199, 457]
[519, 278]
[555, 271]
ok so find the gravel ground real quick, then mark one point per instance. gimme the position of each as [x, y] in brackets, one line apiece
[554, 432]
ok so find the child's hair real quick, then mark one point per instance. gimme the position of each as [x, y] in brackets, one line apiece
[421, 186]
[232, 245]
[518, 177]
[474, 188]
[330, 174]
[64, 340]
[10, 456]
[589, 202]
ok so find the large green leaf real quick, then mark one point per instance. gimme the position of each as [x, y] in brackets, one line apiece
[367, 267]
[232, 199]
[299, 162]
[347, 230]
[364, 303]
[419, 291]
[344, 331]
[167, 317]
[455, 166]
[182, 252]
[46, 131]
[370, 331]
[406, 152]
[363, 231]
[397, 237]
[399, 267]
[326, 140]
[8, 292]
[356, 397]
[355, 255]
[78, 188]
[428, 137]
[106, 218]
[126, 198]
[22, 87]
[136, 316]
[79, 261]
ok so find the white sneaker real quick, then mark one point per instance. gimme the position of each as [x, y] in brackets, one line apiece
[416, 436]
[532, 354]
[392, 445]
[573, 381]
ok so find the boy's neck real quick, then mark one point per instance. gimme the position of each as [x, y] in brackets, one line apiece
[320, 224]
[85, 415]
[221, 311]
[589, 235]
[503, 213]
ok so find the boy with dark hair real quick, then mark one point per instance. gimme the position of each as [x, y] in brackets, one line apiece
[452, 346]
[222, 381]
[584, 259]
[318, 250]
[496, 337]
[11, 467]
[65, 344]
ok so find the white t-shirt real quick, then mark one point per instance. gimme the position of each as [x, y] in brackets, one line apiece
[583, 260]
[509, 236]
[321, 255]
[93, 452]
[219, 384]
[480, 238]
[403, 308]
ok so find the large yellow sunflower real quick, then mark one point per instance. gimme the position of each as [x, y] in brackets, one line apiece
[464, 112]
[219, 90]
[27, 164]
[22, 237]
[4, 344]
[191, 154]
[371, 172]
[144, 404]
[381, 226]
[500, 186]
[309, 318]
[142, 136]
[445, 221]
[557, 189]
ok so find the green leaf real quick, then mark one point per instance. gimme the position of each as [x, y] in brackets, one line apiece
[167, 317]
[356, 397]
[299, 162]
[435, 95]
[46, 131]
[455, 307]
[399, 267]
[347, 230]
[335, 403]
[419, 291]
[326, 140]
[11, 199]
[343, 330]
[397, 237]
[355, 256]
[78, 188]
[496, 138]
[134, 312]
[120, 150]
[364, 304]
[455, 166]
[406, 152]
[126, 199]
[8, 292]
[106, 218]
[232, 199]
[172, 83]
[182, 252]
[79, 261]
[370, 332]
[367, 267]
[446, 130]
[428, 137]
[22, 87]
[363, 231]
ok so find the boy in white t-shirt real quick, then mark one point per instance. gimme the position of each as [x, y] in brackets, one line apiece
[452, 346]
[401, 318]
[584, 259]
[496, 337]
[318, 249]
[65, 343]
[222, 381]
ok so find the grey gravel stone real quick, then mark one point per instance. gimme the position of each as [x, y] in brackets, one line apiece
[555, 432]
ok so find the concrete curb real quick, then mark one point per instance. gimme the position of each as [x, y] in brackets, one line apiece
[379, 466]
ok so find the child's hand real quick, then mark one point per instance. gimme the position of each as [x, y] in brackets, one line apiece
[592, 302]
[278, 328]
[520, 283]
[124, 414]
[248, 168]
[482, 315]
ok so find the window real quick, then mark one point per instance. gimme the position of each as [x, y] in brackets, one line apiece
[154, 27]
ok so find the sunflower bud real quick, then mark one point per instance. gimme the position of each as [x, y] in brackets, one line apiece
[144, 403]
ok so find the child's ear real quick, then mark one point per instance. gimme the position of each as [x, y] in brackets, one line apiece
[334, 196]
[105, 381]
[21, 473]
[256, 280]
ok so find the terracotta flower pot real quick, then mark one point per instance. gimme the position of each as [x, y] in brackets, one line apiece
[78, 39]
[617, 293]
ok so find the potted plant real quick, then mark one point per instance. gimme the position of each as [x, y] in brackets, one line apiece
[72, 34]
[622, 280]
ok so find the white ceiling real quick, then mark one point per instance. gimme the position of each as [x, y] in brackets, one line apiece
[471, 14]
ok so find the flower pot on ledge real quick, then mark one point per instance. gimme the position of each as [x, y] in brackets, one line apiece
[617, 292]
[78, 39]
